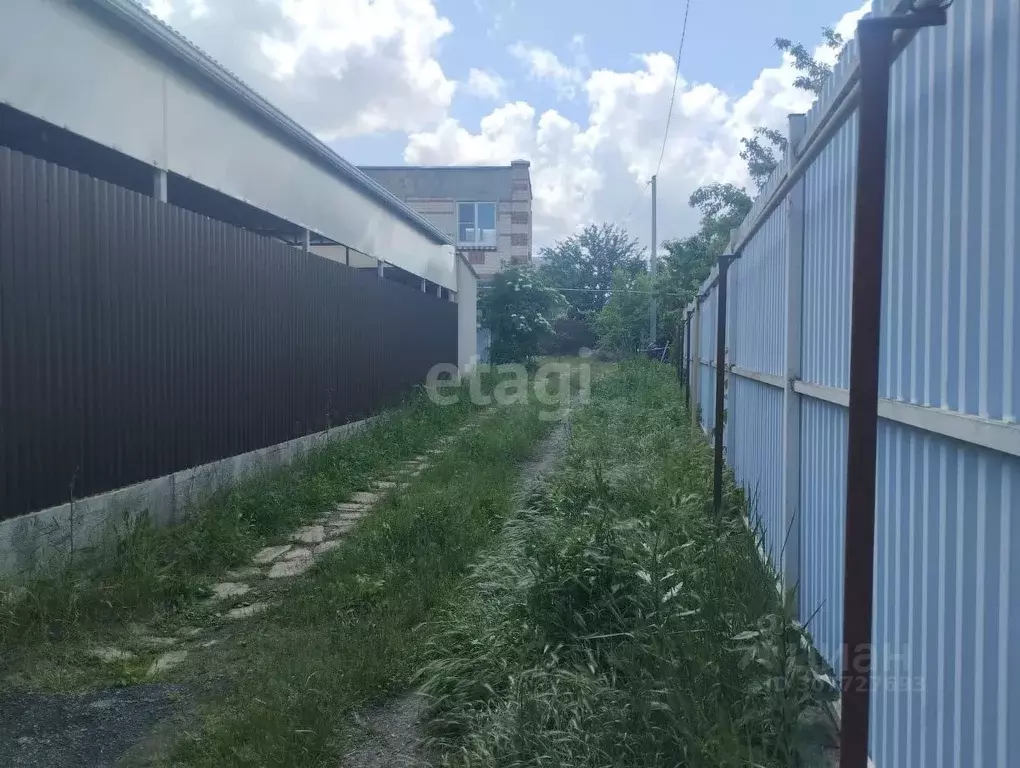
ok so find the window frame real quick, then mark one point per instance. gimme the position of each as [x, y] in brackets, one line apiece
[478, 242]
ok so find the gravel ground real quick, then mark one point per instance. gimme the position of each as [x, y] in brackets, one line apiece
[91, 730]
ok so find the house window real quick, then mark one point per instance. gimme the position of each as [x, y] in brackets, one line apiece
[476, 257]
[476, 223]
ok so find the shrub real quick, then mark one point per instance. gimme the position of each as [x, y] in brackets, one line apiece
[519, 310]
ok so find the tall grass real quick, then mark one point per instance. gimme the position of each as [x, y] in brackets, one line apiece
[618, 622]
[350, 633]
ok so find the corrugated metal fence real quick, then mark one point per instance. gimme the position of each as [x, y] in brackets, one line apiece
[138, 339]
[946, 688]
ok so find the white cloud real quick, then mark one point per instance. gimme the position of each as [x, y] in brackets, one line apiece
[340, 67]
[545, 65]
[348, 67]
[485, 84]
[597, 169]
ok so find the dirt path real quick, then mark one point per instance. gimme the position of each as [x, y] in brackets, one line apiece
[394, 731]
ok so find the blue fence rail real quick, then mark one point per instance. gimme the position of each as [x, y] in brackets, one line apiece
[946, 688]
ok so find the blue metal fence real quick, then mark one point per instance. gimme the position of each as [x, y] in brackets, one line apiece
[946, 688]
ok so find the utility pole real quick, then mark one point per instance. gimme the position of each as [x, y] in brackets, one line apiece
[653, 267]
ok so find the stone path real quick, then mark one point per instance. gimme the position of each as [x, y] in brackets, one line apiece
[237, 597]
[394, 732]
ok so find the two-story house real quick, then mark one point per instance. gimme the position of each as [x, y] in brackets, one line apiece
[485, 209]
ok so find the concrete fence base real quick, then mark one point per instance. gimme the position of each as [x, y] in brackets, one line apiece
[48, 537]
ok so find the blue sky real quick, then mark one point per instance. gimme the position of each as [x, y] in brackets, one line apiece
[728, 43]
[581, 89]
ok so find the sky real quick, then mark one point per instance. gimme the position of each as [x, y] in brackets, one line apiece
[581, 89]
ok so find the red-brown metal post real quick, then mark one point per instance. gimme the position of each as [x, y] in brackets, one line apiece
[688, 360]
[875, 40]
[720, 382]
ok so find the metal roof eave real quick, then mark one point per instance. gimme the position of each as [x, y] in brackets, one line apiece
[197, 60]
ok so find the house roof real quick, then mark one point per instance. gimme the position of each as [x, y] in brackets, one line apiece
[194, 60]
[476, 183]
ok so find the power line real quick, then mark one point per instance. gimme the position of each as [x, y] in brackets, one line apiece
[669, 116]
[597, 290]
[672, 98]
[634, 203]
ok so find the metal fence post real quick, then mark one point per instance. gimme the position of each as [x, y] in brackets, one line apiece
[695, 367]
[688, 357]
[720, 381]
[732, 343]
[159, 184]
[678, 348]
[875, 44]
[792, 368]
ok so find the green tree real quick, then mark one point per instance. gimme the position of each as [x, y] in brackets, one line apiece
[583, 265]
[687, 261]
[622, 324]
[723, 207]
[519, 309]
[813, 72]
[763, 151]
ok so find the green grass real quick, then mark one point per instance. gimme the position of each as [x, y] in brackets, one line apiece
[618, 622]
[350, 634]
[156, 575]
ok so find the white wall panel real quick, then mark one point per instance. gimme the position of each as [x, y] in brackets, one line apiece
[76, 73]
[60, 66]
[246, 162]
[467, 318]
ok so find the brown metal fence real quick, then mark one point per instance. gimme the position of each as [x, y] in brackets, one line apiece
[138, 339]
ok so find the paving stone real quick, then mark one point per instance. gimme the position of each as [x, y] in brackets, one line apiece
[240, 574]
[310, 534]
[226, 589]
[13, 595]
[269, 554]
[245, 611]
[345, 517]
[156, 642]
[286, 568]
[296, 554]
[167, 661]
[340, 529]
[209, 643]
[349, 507]
[189, 632]
[326, 546]
[109, 654]
[384, 485]
[364, 497]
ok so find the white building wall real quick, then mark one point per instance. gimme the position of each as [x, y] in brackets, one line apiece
[467, 318]
[74, 72]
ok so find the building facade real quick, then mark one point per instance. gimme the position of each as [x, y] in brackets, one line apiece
[485, 210]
